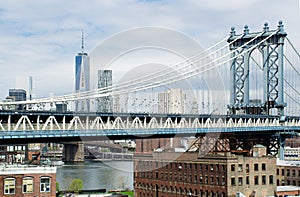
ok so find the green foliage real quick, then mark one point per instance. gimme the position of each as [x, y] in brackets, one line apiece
[76, 185]
[129, 193]
[57, 186]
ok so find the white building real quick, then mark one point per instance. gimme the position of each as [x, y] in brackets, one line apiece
[291, 154]
[173, 102]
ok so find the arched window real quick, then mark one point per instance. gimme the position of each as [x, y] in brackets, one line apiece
[9, 185]
[27, 185]
[45, 184]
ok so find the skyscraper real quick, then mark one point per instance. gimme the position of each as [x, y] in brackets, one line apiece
[105, 104]
[82, 78]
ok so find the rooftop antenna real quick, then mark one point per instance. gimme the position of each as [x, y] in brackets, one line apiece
[82, 41]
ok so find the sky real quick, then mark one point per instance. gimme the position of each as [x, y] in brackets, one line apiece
[41, 38]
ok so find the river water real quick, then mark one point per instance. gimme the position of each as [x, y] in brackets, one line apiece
[107, 175]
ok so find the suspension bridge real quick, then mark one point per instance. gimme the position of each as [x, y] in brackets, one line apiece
[243, 89]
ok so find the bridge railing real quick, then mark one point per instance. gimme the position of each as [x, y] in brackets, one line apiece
[79, 123]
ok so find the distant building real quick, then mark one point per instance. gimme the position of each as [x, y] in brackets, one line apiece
[27, 181]
[292, 154]
[7, 100]
[222, 174]
[82, 78]
[105, 104]
[172, 102]
[116, 104]
[18, 95]
[61, 107]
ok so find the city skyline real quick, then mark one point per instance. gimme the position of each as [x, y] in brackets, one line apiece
[42, 45]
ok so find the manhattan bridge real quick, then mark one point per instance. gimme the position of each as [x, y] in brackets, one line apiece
[241, 91]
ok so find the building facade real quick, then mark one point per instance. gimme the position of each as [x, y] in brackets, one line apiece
[172, 102]
[18, 95]
[288, 173]
[215, 175]
[105, 104]
[292, 153]
[27, 181]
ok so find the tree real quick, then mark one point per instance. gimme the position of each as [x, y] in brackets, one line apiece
[76, 185]
[57, 187]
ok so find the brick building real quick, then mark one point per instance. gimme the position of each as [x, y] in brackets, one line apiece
[288, 173]
[214, 175]
[27, 181]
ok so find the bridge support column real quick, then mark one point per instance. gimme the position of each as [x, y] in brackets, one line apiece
[281, 142]
[73, 152]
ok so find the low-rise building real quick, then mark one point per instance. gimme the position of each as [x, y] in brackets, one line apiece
[27, 181]
[187, 174]
[288, 173]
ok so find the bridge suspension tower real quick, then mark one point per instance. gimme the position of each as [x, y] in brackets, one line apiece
[272, 53]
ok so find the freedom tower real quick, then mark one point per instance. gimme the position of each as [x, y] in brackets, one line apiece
[82, 77]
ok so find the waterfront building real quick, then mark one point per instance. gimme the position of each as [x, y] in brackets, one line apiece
[18, 95]
[172, 102]
[82, 78]
[187, 174]
[27, 181]
[105, 104]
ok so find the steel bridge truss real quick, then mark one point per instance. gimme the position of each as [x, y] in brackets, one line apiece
[272, 55]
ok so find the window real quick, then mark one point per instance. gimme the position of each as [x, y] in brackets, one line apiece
[217, 167]
[255, 180]
[211, 167]
[294, 173]
[240, 181]
[45, 184]
[247, 168]
[247, 180]
[282, 172]
[232, 167]
[256, 167]
[240, 167]
[263, 180]
[277, 172]
[9, 186]
[27, 185]
[217, 181]
[263, 166]
[288, 172]
[233, 181]
[271, 179]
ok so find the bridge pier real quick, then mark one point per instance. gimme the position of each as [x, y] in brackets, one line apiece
[73, 152]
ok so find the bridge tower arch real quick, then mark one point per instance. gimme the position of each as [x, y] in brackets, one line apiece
[272, 55]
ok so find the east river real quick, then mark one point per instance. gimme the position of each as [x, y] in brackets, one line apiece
[108, 175]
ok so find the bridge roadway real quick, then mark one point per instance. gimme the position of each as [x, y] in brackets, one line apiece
[46, 126]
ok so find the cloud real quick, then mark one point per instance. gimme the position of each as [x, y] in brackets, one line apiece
[41, 38]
